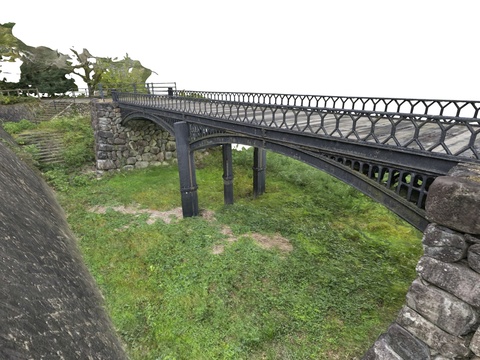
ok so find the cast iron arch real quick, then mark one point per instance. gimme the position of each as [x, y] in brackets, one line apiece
[164, 123]
[401, 207]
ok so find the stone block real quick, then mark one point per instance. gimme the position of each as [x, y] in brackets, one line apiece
[381, 350]
[475, 343]
[454, 202]
[131, 160]
[105, 165]
[105, 134]
[474, 257]
[441, 308]
[444, 244]
[141, 164]
[406, 345]
[454, 278]
[444, 343]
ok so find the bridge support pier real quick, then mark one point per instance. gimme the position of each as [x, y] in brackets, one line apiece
[186, 170]
[227, 174]
[259, 166]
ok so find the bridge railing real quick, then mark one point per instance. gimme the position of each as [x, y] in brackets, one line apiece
[439, 134]
[432, 107]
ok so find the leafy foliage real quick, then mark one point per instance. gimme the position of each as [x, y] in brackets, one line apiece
[123, 73]
[47, 69]
[45, 75]
[14, 128]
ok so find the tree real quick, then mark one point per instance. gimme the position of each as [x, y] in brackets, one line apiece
[92, 70]
[122, 74]
[11, 49]
[111, 73]
[47, 69]
[48, 79]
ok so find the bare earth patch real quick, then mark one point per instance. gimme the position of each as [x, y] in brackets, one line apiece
[264, 241]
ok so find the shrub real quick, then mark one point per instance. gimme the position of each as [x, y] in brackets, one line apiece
[17, 127]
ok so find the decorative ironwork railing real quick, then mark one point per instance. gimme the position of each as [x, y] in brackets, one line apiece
[454, 108]
[442, 127]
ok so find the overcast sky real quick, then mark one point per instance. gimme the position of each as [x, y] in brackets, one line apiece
[380, 48]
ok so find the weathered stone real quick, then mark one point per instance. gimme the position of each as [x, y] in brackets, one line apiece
[149, 157]
[105, 134]
[128, 167]
[454, 278]
[444, 244]
[454, 202]
[102, 155]
[119, 141]
[467, 170]
[381, 350]
[472, 239]
[104, 147]
[105, 164]
[474, 257]
[441, 308]
[406, 345]
[131, 160]
[475, 343]
[443, 342]
[170, 146]
[141, 164]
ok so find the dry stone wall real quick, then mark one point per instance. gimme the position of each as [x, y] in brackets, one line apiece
[441, 317]
[138, 144]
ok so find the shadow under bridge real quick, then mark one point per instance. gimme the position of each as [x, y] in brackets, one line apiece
[390, 149]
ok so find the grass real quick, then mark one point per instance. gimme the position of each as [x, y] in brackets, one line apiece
[171, 296]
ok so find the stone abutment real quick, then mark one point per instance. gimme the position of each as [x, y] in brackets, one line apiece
[138, 144]
[440, 318]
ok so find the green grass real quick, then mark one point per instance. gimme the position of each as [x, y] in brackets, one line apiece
[171, 297]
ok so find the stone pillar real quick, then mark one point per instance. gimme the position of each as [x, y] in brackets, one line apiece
[259, 166]
[186, 170]
[441, 314]
[227, 174]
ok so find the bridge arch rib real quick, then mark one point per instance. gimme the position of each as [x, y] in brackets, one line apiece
[332, 166]
[165, 123]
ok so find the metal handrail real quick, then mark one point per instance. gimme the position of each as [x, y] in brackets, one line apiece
[20, 92]
[432, 107]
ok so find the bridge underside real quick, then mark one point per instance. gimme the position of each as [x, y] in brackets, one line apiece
[398, 190]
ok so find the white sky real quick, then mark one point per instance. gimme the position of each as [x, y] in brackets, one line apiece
[384, 48]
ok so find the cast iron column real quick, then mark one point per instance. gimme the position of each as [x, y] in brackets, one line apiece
[259, 166]
[227, 174]
[186, 170]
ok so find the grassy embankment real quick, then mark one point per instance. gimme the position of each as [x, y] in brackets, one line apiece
[209, 288]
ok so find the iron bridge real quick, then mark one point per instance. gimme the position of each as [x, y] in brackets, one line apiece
[391, 149]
